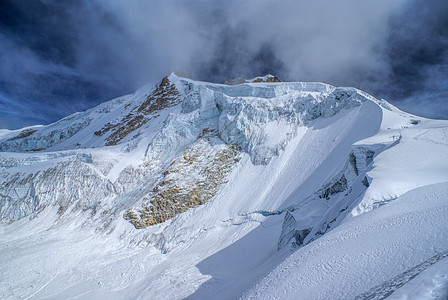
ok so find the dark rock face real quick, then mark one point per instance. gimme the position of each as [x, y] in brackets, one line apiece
[164, 96]
[267, 78]
[23, 134]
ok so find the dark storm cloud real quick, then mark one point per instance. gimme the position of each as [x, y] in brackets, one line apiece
[39, 72]
[327, 41]
[418, 54]
[58, 57]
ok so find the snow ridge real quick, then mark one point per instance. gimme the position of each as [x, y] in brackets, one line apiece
[201, 190]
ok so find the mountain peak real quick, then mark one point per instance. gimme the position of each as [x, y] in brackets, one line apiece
[222, 182]
[259, 79]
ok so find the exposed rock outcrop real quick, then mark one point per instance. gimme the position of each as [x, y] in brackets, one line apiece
[203, 129]
[190, 180]
[165, 95]
[37, 140]
[25, 133]
[260, 79]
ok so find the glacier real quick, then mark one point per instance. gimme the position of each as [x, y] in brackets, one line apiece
[254, 189]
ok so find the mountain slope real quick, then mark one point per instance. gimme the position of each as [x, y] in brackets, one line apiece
[376, 250]
[193, 189]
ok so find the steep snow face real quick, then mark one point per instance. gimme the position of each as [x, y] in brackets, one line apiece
[260, 119]
[193, 189]
[105, 125]
[37, 140]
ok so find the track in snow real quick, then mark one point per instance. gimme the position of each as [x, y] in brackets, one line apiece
[385, 289]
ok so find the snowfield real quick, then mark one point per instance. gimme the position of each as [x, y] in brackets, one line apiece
[370, 256]
[326, 193]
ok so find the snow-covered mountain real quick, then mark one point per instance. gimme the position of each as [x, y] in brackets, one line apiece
[257, 189]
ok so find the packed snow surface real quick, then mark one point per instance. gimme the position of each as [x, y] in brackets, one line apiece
[377, 250]
[330, 194]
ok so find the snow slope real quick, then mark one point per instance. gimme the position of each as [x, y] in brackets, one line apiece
[315, 190]
[375, 250]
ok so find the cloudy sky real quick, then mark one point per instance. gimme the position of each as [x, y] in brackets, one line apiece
[58, 57]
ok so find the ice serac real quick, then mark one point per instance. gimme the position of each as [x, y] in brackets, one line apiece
[38, 139]
[194, 189]
[259, 118]
[290, 233]
[68, 185]
[263, 120]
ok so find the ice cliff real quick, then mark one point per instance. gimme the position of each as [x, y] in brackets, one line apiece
[259, 118]
[190, 188]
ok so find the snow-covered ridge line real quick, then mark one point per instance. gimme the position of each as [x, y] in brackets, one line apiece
[224, 182]
[246, 114]
[261, 118]
[120, 111]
